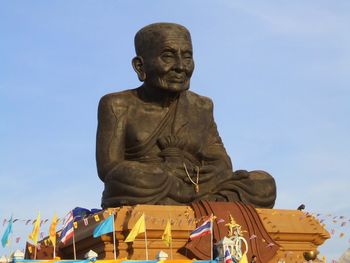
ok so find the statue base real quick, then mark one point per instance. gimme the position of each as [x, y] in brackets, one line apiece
[293, 231]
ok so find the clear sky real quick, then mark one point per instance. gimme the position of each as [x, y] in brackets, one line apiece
[277, 71]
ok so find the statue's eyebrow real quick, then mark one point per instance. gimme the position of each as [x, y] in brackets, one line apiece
[166, 48]
[173, 50]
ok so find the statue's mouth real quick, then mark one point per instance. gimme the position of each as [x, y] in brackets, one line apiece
[177, 80]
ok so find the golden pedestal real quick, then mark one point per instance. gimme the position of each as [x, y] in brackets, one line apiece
[292, 230]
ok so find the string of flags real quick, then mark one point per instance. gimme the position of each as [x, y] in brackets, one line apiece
[334, 222]
[338, 221]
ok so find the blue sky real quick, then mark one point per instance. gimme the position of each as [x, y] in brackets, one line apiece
[277, 71]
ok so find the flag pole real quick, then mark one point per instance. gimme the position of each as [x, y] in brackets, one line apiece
[54, 251]
[211, 237]
[35, 248]
[171, 248]
[75, 254]
[146, 240]
[171, 241]
[10, 240]
[114, 250]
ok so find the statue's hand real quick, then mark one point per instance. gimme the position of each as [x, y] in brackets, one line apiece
[172, 155]
[170, 141]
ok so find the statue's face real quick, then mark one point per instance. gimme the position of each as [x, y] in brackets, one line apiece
[169, 64]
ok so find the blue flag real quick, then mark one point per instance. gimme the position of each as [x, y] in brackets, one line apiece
[8, 231]
[104, 227]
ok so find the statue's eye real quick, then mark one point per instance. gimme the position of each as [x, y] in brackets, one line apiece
[167, 55]
[187, 55]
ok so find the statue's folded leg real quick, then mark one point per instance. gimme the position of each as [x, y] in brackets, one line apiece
[131, 183]
[256, 187]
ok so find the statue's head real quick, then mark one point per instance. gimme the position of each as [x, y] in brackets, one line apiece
[164, 56]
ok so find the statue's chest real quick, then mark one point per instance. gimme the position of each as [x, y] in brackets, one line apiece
[146, 122]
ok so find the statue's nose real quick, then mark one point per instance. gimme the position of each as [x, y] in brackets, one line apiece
[179, 65]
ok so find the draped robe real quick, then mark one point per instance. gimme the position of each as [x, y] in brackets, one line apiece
[156, 154]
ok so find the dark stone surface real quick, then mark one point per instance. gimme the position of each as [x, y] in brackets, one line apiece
[158, 143]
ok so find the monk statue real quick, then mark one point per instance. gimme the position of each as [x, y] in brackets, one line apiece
[159, 144]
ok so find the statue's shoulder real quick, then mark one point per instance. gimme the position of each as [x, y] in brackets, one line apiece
[121, 98]
[199, 100]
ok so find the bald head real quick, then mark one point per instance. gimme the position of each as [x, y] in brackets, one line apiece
[149, 36]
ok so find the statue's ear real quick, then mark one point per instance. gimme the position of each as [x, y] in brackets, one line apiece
[138, 65]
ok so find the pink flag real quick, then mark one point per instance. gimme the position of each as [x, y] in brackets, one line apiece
[220, 221]
[18, 239]
[270, 245]
[86, 221]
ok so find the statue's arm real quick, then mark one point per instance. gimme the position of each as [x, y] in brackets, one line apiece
[214, 150]
[110, 139]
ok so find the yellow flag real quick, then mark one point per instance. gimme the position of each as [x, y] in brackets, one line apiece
[35, 233]
[166, 237]
[139, 227]
[244, 259]
[52, 231]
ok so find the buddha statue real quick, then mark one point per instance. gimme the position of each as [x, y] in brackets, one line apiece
[159, 144]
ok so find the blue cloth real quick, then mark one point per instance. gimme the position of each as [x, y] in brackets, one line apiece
[7, 232]
[106, 226]
[80, 212]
